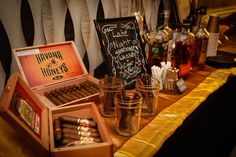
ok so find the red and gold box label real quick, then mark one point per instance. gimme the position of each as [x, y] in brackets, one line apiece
[48, 64]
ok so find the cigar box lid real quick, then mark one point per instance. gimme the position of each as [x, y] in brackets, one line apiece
[23, 110]
[49, 64]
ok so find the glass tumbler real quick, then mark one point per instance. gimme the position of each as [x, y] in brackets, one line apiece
[108, 87]
[128, 110]
[150, 97]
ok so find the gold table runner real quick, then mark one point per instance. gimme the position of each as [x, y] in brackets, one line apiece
[150, 139]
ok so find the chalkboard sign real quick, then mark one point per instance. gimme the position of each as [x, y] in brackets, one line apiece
[122, 48]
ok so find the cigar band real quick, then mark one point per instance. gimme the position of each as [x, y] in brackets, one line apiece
[58, 130]
[82, 128]
[84, 138]
[84, 121]
[83, 133]
[78, 121]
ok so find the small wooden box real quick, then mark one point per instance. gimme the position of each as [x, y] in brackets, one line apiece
[53, 67]
[22, 109]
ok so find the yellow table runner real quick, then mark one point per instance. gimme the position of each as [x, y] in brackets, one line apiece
[150, 139]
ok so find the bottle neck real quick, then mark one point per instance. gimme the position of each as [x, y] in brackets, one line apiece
[166, 17]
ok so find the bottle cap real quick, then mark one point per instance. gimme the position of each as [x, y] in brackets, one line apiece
[213, 24]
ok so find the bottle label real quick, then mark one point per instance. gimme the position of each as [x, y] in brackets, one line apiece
[184, 69]
[212, 44]
[202, 57]
[160, 49]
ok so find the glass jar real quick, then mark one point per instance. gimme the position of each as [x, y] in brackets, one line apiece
[150, 94]
[108, 87]
[128, 112]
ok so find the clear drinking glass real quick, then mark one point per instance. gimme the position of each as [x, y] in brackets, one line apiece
[128, 112]
[150, 94]
[108, 88]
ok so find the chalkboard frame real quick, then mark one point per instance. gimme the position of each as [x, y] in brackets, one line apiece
[145, 67]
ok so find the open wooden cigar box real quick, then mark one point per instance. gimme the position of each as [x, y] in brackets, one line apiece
[56, 74]
[23, 110]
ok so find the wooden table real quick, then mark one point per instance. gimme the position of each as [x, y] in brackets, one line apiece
[14, 145]
[165, 100]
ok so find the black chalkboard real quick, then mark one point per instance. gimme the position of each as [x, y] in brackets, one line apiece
[122, 48]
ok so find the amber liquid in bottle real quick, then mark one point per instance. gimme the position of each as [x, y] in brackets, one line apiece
[183, 50]
[201, 43]
[158, 44]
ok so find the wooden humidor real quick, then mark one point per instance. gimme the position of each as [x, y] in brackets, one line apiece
[56, 67]
[39, 130]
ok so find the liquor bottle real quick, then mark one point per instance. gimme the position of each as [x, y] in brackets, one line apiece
[138, 12]
[201, 42]
[201, 11]
[166, 13]
[169, 32]
[192, 14]
[158, 43]
[175, 38]
[184, 46]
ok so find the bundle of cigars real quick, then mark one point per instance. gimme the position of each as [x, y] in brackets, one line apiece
[73, 92]
[72, 131]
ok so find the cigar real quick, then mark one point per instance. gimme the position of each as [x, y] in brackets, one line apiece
[79, 121]
[82, 138]
[74, 97]
[108, 97]
[57, 130]
[75, 92]
[53, 99]
[76, 127]
[71, 142]
[146, 79]
[58, 95]
[65, 93]
[146, 93]
[79, 132]
[88, 87]
[78, 90]
[125, 122]
[93, 85]
[84, 90]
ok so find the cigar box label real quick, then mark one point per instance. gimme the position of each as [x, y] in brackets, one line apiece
[49, 64]
[26, 109]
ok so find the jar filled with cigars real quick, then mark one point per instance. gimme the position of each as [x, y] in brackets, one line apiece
[128, 112]
[109, 85]
[149, 88]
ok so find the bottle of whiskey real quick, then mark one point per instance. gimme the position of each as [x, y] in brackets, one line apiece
[158, 43]
[192, 14]
[169, 32]
[201, 42]
[184, 49]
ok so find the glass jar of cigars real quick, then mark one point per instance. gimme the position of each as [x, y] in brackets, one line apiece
[108, 86]
[149, 88]
[128, 112]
